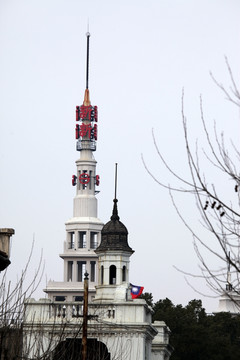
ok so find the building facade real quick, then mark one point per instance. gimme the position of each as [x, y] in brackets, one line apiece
[118, 326]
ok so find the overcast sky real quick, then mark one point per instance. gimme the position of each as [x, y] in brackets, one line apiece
[142, 54]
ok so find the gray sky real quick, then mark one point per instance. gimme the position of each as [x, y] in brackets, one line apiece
[142, 53]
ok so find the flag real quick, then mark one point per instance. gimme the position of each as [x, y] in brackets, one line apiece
[136, 291]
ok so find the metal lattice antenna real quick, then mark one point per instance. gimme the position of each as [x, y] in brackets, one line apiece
[116, 181]
[87, 67]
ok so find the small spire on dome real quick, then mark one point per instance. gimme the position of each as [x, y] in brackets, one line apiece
[114, 232]
[86, 101]
[115, 193]
[115, 216]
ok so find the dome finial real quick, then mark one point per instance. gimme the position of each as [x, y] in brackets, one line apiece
[115, 216]
[115, 194]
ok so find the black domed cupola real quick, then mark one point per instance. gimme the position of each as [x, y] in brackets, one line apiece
[114, 234]
[113, 258]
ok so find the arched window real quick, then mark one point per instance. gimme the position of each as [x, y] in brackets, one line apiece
[70, 349]
[102, 273]
[112, 275]
[124, 273]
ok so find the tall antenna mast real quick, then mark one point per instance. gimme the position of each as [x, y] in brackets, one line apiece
[87, 69]
[116, 181]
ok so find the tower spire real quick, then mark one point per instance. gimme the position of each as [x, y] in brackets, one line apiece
[84, 228]
[86, 101]
[115, 195]
[87, 65]
[115, 216]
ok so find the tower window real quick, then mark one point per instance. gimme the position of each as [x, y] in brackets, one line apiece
[93, 240]
[84, 181]
[70, 271]
[90, 182]
[81, 268]
[93, 271]
[71, 240]
[102, 274]
[124, 273]
[78, 182]
[82, 239]
[112, 275]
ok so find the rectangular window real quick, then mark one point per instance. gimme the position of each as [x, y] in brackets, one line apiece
[102, 274]
[71, 240]
[82, 239]
[81, 268]
[93, 271]
[93, 240]
[70, 271]
[84, 179]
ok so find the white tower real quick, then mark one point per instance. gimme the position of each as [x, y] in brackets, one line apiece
[84, 228]
[113, 261]
[230, 298]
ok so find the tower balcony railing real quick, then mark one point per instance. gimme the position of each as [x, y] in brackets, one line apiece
[56, 312]
[86, 145]
[45, 310]
[67, 310]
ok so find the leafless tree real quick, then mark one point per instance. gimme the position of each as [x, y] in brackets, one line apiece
[39, 338]
[12, 298]
[219, 214]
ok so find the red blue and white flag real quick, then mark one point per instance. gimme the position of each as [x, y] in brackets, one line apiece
[136, 291]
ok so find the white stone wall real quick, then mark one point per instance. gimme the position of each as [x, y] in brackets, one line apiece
[125, 327]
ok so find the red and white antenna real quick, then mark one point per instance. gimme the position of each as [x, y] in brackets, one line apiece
[86, 128]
